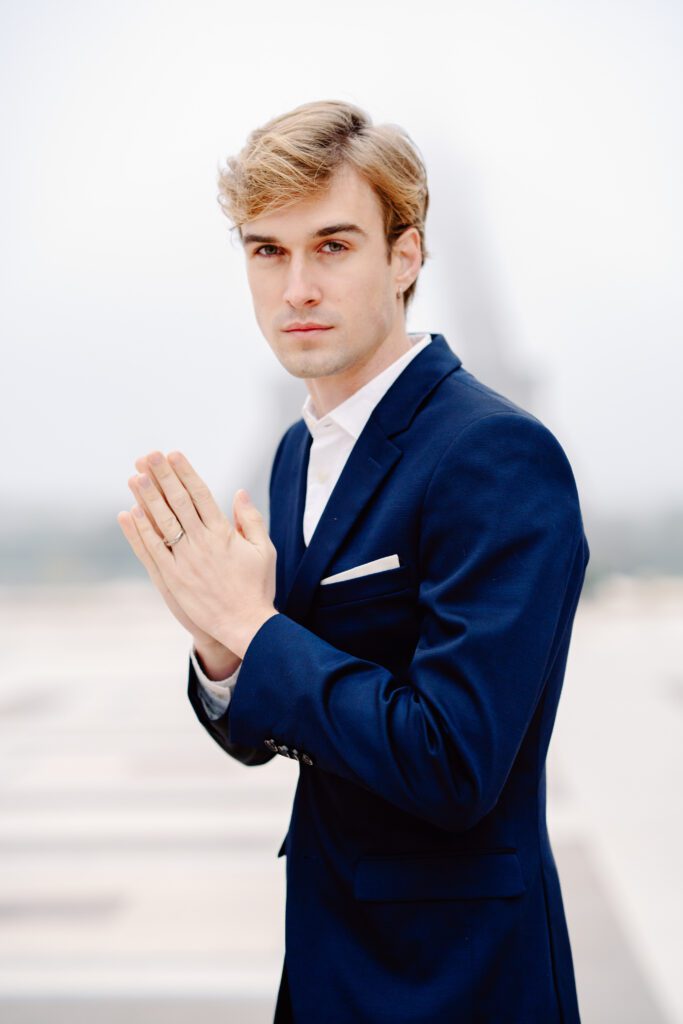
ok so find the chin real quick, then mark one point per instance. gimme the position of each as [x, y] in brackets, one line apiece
[311, 366]
[297, 364]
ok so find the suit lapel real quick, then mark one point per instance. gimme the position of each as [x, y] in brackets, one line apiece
[373, 457]
[295, 545]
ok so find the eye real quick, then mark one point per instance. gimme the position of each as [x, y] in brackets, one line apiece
[258, 252]
[269, 255]
[342, 249]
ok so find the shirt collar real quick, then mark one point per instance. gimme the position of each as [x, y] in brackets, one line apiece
[352, 414]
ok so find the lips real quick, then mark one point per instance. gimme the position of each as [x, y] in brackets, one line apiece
[301, 328]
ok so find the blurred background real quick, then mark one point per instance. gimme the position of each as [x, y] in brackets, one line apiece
[138, 869]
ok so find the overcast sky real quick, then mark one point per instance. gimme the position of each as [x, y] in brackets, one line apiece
[551, 133]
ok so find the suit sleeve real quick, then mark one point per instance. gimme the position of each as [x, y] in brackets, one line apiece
[214, 715]
[501, 564]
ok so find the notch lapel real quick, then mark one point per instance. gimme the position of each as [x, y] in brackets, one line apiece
[372, 458]
[295, 544]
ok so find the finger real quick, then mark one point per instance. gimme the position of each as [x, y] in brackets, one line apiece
[252, 522]
[139, 495]
[236, 504]
[143, 466]
[202, 498]
[125, 521]
[175, 493]
[160, 512]
[161, 555]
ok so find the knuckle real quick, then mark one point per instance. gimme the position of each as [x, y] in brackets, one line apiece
[202, 493]
[169, 525]
[181, 501]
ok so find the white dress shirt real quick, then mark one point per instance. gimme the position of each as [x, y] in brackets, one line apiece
[334, 436]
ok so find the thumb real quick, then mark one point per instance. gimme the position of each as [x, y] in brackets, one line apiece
[236, 513]
[248, 519]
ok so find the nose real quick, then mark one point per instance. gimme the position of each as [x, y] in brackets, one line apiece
[301, 288]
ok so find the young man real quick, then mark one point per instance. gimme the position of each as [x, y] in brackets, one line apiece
[402, 629]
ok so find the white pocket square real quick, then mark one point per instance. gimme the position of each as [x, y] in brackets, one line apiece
[387, 562]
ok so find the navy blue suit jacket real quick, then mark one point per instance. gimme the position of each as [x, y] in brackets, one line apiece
[420, 701]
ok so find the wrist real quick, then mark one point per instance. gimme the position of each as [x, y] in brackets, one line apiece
[242, 635]
[217, 661]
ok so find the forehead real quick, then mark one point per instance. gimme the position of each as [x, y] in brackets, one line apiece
[348, 199]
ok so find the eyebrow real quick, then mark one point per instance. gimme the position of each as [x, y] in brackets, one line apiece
[330, 229]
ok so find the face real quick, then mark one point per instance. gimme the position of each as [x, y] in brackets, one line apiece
[324, 261]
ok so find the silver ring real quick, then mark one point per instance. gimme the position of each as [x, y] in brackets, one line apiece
[170, 543]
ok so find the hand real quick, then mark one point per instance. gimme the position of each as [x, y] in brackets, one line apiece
[219, 582]
[202, 640]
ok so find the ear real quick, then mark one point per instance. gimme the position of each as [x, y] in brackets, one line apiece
[407, 257]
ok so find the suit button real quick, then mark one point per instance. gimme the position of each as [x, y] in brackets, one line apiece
[306, 759]
[284, 750]
[271, 744]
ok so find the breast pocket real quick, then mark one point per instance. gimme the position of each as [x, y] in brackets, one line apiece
[361, 588]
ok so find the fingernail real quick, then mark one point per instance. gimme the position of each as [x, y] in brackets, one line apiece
[137, 511]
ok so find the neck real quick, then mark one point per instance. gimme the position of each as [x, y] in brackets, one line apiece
[329, 392]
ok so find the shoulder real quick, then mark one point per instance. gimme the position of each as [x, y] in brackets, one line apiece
[468, 415]
[493, 452]
[463, 398]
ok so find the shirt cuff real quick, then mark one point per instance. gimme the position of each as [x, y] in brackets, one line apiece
[215, 694]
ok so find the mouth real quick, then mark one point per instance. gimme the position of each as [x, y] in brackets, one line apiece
[308, 329]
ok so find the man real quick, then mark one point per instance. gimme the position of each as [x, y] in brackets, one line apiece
[402, 629]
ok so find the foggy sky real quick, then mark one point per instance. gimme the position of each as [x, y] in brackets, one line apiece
[552, 140]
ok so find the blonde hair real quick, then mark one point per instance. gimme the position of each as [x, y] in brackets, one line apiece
[293, 156]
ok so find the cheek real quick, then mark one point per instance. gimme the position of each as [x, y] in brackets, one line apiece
[366, 288]
[262, 299]
[258, 289]
[373, 295]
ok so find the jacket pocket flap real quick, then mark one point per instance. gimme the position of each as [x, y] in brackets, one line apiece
[460, 876]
